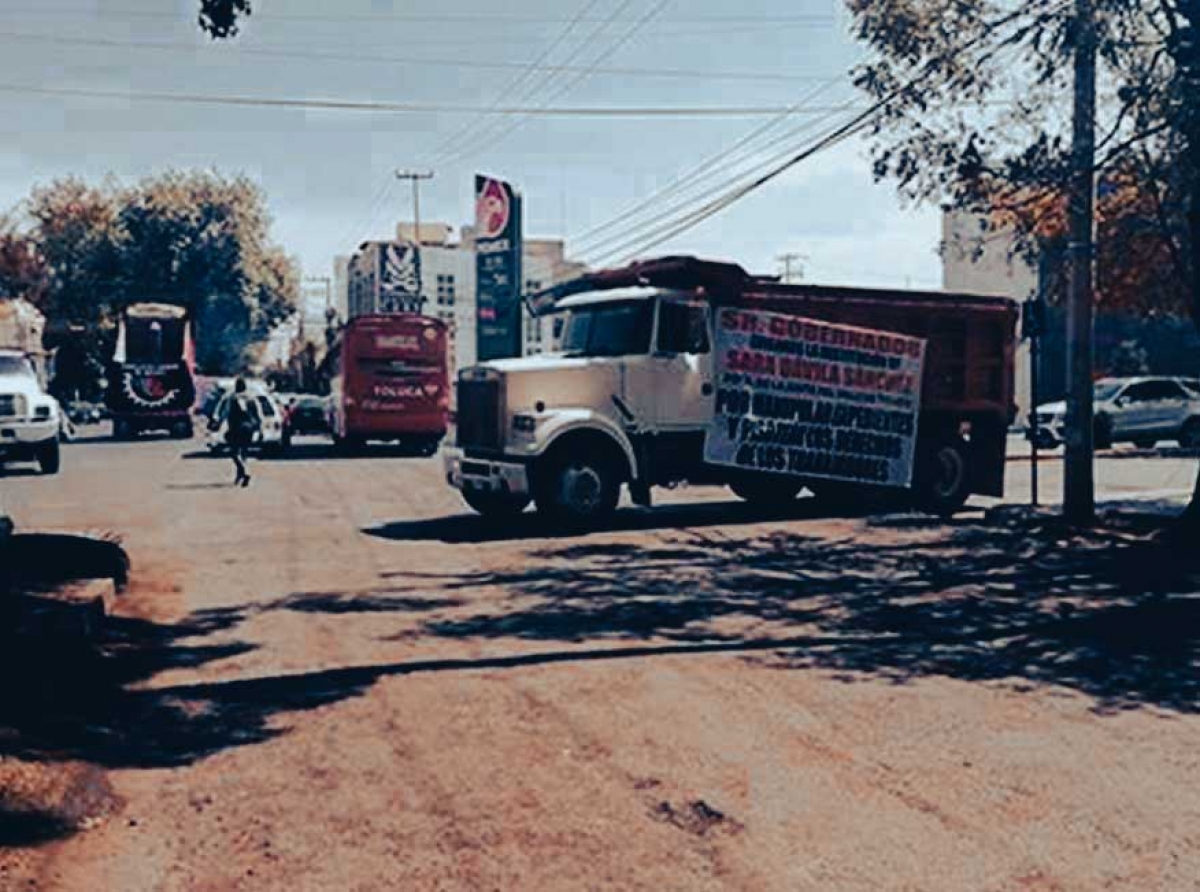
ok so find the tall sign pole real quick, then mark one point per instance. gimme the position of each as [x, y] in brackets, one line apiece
[497, 269]
[416, 176]
[1079, 496]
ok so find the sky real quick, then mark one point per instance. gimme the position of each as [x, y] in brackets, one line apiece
[329, 173]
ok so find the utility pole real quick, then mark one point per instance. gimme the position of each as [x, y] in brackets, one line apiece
[787, 259]
[1079, 496]
[415, 176]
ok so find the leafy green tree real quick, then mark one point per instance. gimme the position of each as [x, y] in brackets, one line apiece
[976, 110]
[195, 239]
[23, 271]
[201, 240]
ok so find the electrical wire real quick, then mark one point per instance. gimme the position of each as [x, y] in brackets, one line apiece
[352, 105]
[668, 229]
[360, 58]
[695, 177]
[563, 88]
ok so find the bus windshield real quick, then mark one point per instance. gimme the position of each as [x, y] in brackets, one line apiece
[621, 328]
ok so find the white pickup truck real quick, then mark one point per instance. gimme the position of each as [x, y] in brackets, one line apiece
[29, 417]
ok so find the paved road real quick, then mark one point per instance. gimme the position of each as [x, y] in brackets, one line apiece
[338, 680]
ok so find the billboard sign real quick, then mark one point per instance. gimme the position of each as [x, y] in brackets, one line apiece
[398, 278]
[497, 269]
[813, 399]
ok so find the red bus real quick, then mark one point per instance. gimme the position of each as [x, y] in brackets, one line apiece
[390, 382]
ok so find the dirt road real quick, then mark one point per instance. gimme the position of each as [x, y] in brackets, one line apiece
[338, 680]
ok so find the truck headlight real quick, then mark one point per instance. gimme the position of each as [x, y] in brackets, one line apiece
[42, 413]
[524, 424]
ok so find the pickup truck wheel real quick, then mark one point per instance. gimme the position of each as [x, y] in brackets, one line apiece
[577, 487]
[942, 478]
[49, 458]
[768, 492]
[495, 504]
[1189, 435]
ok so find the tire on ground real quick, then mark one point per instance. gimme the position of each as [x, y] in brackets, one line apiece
[942, 476]
[579, 481]
[49, 456]
[1189, 434]
[1102, 432]
[495, 504]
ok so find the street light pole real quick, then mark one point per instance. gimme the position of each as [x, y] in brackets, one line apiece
[1079, 495]
[415, 176]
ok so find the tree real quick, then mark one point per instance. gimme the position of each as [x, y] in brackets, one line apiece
[199, 240]
[975, 115]
[23, 271]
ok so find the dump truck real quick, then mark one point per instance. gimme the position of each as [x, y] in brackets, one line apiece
[685, 370]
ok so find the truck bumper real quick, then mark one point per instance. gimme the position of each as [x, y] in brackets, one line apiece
[14, 434]
[485, 474]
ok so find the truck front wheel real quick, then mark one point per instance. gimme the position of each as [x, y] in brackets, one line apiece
[49, 458]
[495, 504]
[768, 492]
[942, 482]
[577, 487]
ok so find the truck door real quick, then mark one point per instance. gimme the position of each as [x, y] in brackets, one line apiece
[682, 364]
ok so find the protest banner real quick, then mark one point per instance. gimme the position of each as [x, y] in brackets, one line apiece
[807, 398]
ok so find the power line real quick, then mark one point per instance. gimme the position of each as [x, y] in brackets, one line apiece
[801, 19]
[671, 228]
[578, 111]
[620, 41]
[446, 145]
[359, 58]
[695, 176]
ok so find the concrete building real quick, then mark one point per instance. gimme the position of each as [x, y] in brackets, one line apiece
[382, 277]
[341, 285]
[981, 260]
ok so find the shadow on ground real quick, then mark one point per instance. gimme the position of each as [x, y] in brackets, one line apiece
[472, 528]
[1015, 601]
[316, 451]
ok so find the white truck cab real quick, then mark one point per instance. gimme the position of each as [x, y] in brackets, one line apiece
[627, 399]
[29, 417]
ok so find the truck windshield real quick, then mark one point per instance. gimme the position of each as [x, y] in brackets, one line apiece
[610, 329]
[15, 365]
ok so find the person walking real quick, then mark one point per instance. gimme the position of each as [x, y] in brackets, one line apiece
[243, 425]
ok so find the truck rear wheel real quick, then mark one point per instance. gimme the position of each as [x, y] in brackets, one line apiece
[577, 487]
[942, 479]
[495, 504]
[767, 492]
[49, 457]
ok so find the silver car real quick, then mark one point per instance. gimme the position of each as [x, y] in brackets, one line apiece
[1141, 411]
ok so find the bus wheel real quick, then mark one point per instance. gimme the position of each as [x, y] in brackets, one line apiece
[495, 504]
[942, 477]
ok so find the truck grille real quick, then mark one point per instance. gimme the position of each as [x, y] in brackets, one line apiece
[479, 413]
[11, 406]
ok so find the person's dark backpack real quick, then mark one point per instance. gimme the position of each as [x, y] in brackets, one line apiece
[242, 422]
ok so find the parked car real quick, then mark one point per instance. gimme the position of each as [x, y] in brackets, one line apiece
[305, 414]
[30, 419]
[270, 437]
[1141, 411]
